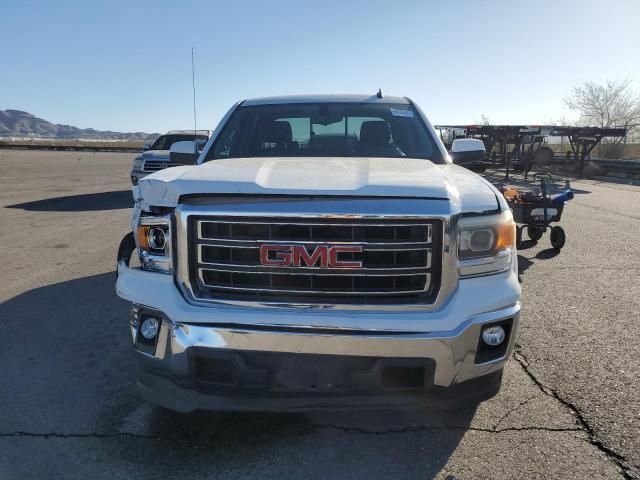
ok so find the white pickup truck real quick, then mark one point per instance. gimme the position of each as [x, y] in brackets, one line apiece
[156, 156]
[323, 252]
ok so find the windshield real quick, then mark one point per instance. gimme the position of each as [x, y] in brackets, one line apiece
[164, 142]
[326, 130]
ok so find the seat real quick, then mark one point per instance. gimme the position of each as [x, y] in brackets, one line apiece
[276, 138]
[374, 140]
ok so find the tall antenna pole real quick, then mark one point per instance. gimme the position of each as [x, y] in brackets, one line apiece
[193, 83]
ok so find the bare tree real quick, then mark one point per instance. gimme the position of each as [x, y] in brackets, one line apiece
[613, 104]
[484, 120]
[560, 121]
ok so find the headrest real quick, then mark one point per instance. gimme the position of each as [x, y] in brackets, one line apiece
[277, 132]
[376, 132]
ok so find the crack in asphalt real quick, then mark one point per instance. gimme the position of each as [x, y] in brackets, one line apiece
[420, 428]
[582, 426]
[48, 435]
[617, 458]
[513, 410]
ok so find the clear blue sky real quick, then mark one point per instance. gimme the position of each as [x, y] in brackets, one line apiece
[125, 65]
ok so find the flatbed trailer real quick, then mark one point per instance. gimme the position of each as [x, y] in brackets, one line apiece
[529, 139]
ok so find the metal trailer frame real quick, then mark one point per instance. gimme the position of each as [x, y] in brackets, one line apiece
[584, 139]
[527, 139]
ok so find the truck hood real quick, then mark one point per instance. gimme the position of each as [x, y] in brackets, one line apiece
[156, 155]
[343, 176]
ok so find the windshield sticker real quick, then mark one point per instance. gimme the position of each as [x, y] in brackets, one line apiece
[396, 112]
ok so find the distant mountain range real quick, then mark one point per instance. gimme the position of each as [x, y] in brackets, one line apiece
[16, 123]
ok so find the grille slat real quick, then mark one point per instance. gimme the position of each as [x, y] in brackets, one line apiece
[371, 246]
[335, 273]
[329, 232]
[154, 166]
[269, 279]
[399, 259]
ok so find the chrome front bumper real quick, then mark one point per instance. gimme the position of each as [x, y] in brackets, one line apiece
[453, 351]
[168, 374]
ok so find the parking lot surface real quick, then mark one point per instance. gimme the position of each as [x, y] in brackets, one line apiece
[569, 407]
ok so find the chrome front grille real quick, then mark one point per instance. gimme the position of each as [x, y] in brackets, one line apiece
[400, 259]
[154, 166]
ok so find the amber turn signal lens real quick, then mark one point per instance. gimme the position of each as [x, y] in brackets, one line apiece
[142, 236]
[506, 235]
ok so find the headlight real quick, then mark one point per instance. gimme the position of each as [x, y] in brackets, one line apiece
[486, 244]
[137, 163]
[153, 239]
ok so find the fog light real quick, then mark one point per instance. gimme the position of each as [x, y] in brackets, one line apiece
[492, 336]
[149, 328]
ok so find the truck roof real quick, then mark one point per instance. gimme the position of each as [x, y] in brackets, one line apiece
[325, 98]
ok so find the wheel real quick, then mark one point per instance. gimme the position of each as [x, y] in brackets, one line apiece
[125, 250]
[535, 233]
[557, 237]
[518, 236]
[543, 157]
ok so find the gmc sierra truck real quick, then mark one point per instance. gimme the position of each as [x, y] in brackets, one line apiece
[323, 252]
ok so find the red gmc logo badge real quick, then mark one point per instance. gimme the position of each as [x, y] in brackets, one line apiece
[327, 256]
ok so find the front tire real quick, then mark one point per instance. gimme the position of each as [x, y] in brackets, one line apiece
[558, 237]
[535, 233]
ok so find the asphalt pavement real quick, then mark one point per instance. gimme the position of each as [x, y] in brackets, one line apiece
[569, 407]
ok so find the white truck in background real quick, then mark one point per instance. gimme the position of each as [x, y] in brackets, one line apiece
[156, 156]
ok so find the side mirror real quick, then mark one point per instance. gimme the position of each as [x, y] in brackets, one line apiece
[147, 146]
[185, 153]
[467, 151]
